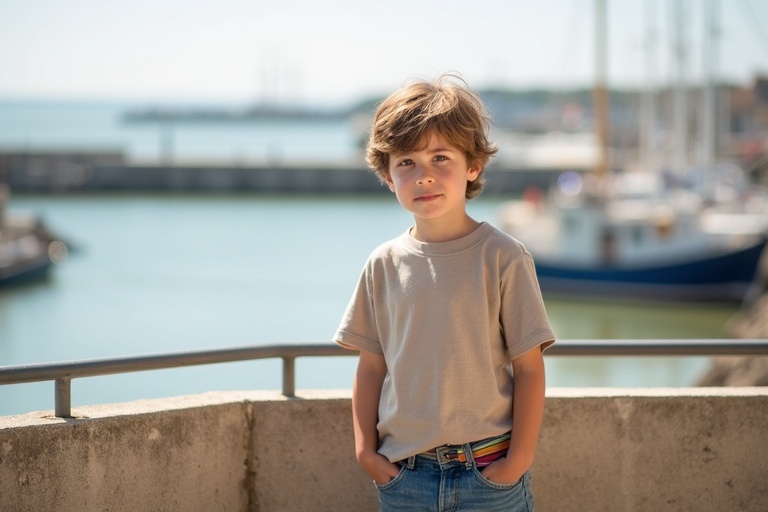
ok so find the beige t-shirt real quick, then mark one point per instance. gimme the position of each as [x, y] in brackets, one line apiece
[449, 318]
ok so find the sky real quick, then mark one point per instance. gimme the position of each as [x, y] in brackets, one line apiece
[312, 52]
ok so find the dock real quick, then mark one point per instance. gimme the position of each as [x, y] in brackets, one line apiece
[110, 172]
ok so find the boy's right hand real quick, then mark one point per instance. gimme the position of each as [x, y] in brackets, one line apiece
[378, 467]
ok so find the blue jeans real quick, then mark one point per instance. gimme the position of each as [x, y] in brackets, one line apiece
[442, 484]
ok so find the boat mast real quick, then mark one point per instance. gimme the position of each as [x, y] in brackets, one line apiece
[600, 91]
[680, 119]
[648, 111]
[709, 101]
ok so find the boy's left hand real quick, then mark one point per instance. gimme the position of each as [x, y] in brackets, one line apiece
[504, 471]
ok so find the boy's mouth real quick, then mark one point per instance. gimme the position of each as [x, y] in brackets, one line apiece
[429, 197]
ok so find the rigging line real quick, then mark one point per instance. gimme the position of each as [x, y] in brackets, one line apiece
[570, 54]
[568, 59]
[752, 16]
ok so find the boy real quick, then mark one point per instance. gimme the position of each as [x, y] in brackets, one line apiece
[438, 315]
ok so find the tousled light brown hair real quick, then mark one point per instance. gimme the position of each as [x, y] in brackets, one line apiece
[446, 106]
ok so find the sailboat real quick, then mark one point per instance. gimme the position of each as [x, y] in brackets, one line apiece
[626, 235]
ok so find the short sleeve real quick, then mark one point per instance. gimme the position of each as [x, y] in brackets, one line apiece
[524, 319]
[357, 329]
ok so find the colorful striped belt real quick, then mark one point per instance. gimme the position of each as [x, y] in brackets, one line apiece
[483, 452]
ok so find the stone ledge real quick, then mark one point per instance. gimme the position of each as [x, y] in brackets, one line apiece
[689, 449]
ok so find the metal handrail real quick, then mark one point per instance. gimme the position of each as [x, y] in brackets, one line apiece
[62, 373]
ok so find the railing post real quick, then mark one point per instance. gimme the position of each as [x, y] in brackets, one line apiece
[289, 376]
[63, 398]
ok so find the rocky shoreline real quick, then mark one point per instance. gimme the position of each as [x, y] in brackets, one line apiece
[750, 323]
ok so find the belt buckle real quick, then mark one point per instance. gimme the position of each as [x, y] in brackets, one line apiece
[457, 454]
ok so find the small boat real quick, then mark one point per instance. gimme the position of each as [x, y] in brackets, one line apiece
[27, 247]
[637, 247]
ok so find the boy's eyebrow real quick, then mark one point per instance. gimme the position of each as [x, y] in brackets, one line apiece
[440, 149]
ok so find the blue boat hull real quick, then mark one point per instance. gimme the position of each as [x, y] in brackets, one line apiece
[34, 271]
[726, 277]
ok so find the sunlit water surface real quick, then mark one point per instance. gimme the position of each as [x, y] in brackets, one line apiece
[152, 274]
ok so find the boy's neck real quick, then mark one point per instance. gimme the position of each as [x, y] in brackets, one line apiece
[434, 231]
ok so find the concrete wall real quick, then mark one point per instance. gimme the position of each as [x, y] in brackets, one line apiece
[703, 449]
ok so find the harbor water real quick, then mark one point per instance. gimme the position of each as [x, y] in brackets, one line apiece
[160, 273]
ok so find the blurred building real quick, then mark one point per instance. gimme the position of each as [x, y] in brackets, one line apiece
[748, 127]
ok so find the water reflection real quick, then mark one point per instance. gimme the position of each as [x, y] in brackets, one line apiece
[575, 318]
[590, 319]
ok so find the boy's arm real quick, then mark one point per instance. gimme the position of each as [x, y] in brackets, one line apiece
[366, 392]
[528, 409]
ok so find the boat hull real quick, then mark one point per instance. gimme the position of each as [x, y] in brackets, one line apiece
[25, 272]
[726, 277]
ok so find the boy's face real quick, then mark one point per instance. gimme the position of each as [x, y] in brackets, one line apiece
[431, 182]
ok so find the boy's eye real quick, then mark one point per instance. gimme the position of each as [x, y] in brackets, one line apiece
[440, 158]
[407, 161]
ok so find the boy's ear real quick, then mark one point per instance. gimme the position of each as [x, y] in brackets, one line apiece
[474, 171]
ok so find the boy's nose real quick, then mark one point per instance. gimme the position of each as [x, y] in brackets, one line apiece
[424, 177]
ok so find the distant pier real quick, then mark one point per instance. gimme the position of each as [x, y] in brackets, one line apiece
[107, 172]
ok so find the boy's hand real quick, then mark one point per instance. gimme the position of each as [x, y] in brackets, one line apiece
[504, 471]
[378, 467]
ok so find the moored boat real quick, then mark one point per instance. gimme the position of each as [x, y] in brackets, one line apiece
[660, 248]
[28, 249]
